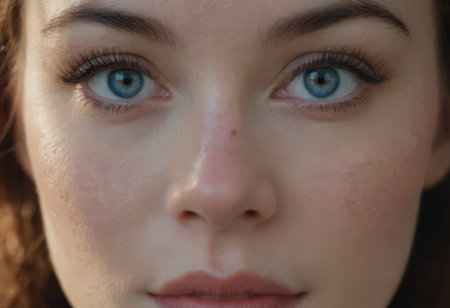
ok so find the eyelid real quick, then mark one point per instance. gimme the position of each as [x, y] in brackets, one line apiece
[80, 70]
[346, 62]
[87, 65]
[369, 69]
[325, 111]
[120, 110]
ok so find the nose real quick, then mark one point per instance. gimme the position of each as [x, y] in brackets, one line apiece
[222, 186]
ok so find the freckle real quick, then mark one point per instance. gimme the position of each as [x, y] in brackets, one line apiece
[233, 133]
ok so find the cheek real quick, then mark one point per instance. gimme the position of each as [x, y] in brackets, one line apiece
[364, 179]
[98, 199]
[359, 196]
[105, 186]
[356, 210]
[377, 187]
[372, 201]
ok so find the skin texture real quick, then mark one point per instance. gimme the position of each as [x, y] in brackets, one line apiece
[334, 197]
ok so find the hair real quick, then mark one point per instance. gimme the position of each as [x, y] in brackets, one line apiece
[27, 278]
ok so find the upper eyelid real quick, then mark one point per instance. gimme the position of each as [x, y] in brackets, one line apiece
[86, 66]
[370, 70]
[335, 56]
[303, 62]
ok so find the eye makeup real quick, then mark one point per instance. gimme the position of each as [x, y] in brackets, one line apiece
[366, 68]
[94, 61]
[86, 66]
[369, 71]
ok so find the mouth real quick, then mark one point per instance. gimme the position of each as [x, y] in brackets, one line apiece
[223, 297]
[242, 289]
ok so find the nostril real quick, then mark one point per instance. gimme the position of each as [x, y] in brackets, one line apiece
[187, 214]
[251, 214]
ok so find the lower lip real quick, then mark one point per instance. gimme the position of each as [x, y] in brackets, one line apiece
[250, 302]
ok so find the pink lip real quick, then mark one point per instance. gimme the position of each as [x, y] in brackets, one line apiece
[182, 292]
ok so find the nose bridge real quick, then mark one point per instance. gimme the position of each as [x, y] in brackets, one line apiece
[220, 183]
[219, 163]
[220, 156]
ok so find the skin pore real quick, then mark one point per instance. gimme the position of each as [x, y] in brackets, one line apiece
[222, 163]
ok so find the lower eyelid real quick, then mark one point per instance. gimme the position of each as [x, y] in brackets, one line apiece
[343, 107]
[327, 110]
[90, 104]
[92, 101]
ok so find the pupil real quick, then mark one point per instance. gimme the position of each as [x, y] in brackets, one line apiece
[321, 80]
[127, 80]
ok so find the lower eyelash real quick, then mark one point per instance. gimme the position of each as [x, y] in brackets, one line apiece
[367, 69]
[98, 105]
[94, 105]
[341, 107]
[117, 111]
[324, 110]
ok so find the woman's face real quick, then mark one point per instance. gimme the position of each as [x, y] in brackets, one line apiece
[269, 137]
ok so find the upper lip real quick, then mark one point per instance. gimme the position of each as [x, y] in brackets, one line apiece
[238, 284]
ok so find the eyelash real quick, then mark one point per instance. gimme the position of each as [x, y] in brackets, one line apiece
[368, 69]
[96, 61]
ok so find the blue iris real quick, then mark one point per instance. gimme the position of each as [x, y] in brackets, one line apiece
[125, 83]
[321, 82]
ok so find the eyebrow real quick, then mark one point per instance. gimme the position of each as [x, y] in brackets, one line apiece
[283, 29]
[320, 18]
[149, 27]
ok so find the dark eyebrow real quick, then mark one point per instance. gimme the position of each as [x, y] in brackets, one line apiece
[149, 27]
[317, 19]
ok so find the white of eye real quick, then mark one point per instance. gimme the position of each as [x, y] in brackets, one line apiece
[348, 83]
[99, 85]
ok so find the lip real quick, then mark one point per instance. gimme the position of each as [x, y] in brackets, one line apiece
[190, 291]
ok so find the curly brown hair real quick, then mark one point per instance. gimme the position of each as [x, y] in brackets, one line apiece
[26, 275]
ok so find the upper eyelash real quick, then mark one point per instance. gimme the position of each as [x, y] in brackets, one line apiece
[366, 68]
[86, 65]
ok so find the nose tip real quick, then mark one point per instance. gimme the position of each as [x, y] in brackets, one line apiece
[220, 206]
[221, 191]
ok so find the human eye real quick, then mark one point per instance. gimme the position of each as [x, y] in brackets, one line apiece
[325, 83]
[335, 81]
[113, 82]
